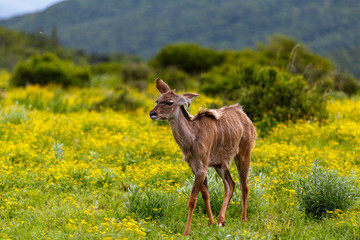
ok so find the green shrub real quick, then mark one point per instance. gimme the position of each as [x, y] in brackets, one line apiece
[107, 75]
[106, 81]
[148, 203]
[216, 191]
[58, 151]
[58, 104]
[323, 191]
[257, 200]
[176, 78]
[121, 99]
[48, 68]
[287, 54]
[346, 83]
[190, 58]
[267, 94]
[14, 114]
[107, 68]
[136, 74]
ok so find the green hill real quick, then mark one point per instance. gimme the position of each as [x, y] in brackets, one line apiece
[17, 46]
[142, 27]
[347, 59]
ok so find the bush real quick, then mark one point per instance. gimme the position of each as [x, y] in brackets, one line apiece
[267, 94]
[136, 74]
[107, 68]
[190, 58]
[323, 191]
[287, 54]
[53, 100]
[148, 203]
[112, 81]
[176, 78]
[123, 99]
[48, 68]
[14, 114]
[216, 191]
[346, 83]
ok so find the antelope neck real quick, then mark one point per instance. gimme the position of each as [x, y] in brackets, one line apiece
[185, 113]
[182, 129]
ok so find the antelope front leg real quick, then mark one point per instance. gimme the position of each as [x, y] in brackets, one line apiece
[206, 196]
[199, 180]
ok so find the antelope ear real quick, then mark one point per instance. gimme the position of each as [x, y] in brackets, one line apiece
[191, 96]
[161, 86]
[187, 98]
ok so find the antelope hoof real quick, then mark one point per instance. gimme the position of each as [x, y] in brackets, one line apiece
[221, 224]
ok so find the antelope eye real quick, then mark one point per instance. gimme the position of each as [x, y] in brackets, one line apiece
[169, 103]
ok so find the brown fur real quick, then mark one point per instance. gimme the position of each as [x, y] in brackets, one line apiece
[209, 112]
[212, 138]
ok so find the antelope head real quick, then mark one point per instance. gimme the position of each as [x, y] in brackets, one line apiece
[169, 103]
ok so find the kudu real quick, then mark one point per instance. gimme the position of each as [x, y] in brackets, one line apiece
[209, 139]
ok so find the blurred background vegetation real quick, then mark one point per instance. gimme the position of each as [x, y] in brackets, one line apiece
[328, 27]
[125, 45]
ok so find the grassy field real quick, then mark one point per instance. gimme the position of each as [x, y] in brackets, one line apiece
[70, 173]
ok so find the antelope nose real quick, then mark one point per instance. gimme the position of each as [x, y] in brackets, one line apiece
[152, 114]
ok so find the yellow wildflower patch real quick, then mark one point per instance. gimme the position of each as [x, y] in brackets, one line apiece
[70, 172]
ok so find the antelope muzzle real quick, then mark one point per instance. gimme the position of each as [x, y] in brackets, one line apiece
[153, 115]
